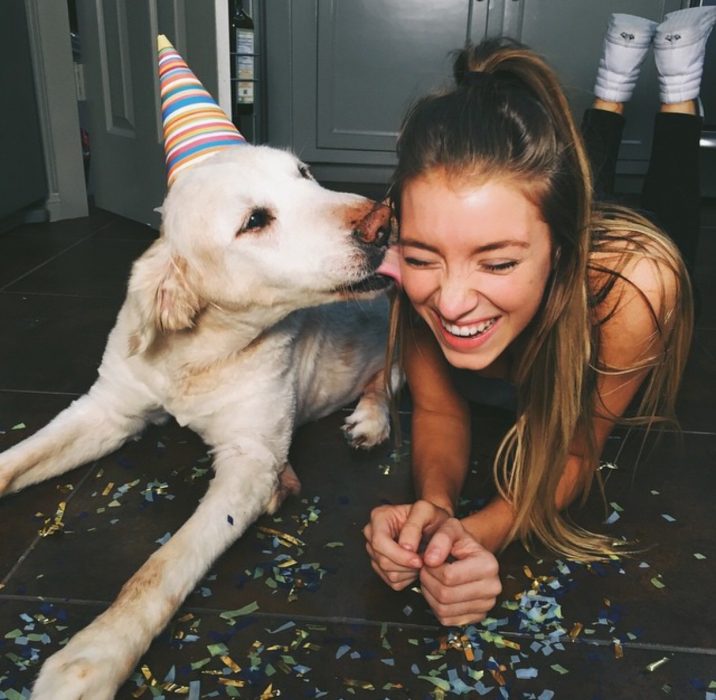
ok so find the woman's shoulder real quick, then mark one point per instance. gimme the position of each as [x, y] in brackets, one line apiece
[633, 267]
[638, 287]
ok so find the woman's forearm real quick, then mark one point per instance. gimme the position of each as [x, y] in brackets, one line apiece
[491, 526]
[441, 450]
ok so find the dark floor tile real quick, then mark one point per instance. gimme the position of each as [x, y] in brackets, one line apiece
[96, 266]
[24, 514]
[25, 248]
[659, 594]
[696, 405]
[134, 497]
[52, 343]
[254, 656]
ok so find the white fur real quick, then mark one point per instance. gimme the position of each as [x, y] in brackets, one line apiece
[217, 331]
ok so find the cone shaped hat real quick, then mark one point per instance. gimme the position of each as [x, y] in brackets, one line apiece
[194, 125]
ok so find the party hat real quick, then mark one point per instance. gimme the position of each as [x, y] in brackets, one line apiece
[194, 125]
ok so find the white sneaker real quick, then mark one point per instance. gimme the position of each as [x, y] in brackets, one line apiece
[679, 49]
[626, 42]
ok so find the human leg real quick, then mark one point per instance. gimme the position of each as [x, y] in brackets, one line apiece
[672, 184]
[626, 43]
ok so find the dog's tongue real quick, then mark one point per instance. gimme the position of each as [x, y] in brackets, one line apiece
[390, 266]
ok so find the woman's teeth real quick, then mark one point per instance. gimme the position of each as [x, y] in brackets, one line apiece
[468, 331]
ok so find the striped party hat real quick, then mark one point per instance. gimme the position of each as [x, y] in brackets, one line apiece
[194, 125]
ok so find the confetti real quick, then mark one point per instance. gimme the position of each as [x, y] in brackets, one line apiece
[650, 668]
[53, 525]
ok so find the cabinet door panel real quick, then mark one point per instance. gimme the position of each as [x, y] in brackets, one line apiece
[374, 58]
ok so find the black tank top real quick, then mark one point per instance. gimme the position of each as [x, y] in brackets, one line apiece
[490, 391]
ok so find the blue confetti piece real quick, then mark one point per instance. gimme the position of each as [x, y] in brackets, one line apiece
[164, 538]
[342, 650]
[612, 518]
[526, 672]
[668, 518]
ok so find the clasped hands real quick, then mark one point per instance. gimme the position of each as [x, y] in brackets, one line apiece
[459, 578]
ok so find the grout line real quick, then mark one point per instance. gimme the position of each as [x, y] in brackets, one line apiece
[54, 257]
[62, 295]
[41, 392]
[344, 620]
[33, 544]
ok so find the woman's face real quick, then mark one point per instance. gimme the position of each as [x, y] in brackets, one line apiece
[474, 262]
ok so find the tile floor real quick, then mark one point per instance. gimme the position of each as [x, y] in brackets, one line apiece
[299, 614]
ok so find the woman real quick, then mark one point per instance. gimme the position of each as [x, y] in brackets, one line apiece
[510, 272]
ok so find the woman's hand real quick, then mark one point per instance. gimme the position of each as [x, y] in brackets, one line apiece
[393, 538]
[460, 578]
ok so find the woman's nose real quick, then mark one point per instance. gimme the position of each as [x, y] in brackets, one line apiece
[456, 298]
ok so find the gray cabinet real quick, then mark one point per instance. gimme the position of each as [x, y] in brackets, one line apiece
[341, 73]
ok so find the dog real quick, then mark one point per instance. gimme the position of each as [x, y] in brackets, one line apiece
[257, 309]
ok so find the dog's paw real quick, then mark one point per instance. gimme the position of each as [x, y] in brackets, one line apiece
[80, 671]
[368, 425]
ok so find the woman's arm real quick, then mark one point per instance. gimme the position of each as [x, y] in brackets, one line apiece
[440, 423]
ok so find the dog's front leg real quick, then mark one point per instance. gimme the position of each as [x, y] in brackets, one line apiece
[97, 660]
[92, 426]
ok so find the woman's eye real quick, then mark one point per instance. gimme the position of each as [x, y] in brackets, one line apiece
[305, 172]
[258, 219]
[500, 267]
[414, 262]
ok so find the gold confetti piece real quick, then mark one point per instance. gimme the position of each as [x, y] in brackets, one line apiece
[51, 525]
[499, 678]
[287, 563]
[657, 583]
[467, 648]
[186, 617]
[108, 488]
[353, 683]
[282, 536]
[236, 683]
[528, 572]
[650, 668]
[231, 664]
[618, 649]
[140, 691]
[576, 630]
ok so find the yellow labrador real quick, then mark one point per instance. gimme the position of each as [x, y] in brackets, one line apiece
[256, 310]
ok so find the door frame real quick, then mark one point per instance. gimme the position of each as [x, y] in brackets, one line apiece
[56, 91]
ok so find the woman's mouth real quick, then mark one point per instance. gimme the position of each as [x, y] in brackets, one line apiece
[468, 331]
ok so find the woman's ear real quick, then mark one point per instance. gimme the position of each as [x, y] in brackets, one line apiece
[160, 296]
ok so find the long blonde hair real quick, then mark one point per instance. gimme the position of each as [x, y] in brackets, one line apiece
[508, 117]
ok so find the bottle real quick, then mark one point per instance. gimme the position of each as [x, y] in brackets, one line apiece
[242, 27]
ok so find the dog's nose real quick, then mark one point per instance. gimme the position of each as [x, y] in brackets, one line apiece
[374, 228]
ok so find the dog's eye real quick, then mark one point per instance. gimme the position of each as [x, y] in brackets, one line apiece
[258, 219]
[305, 172]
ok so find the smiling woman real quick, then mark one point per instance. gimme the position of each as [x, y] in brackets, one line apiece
[510, 274]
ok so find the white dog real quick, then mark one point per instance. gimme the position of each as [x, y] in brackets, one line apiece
[216, 330]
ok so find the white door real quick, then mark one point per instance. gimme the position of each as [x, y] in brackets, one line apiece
[119, 52]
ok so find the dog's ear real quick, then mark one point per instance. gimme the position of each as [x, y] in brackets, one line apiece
[160, 295]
